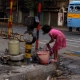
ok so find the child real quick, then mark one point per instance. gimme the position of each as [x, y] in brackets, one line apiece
[60, 40]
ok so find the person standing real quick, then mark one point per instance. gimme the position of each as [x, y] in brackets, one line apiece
[58, 37]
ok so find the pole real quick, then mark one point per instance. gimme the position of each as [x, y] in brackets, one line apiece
[38, 27]
[10, 20]
[27, 54]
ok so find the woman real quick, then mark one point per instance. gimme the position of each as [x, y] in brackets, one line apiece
[58, 37]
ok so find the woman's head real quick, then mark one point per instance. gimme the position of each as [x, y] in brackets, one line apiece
[46, 29]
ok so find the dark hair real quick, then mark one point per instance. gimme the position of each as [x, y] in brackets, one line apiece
[46, 29]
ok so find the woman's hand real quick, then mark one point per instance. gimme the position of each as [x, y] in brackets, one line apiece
[52, 40]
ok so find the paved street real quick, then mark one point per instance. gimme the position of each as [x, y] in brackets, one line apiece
[72, 38]
[73, 43]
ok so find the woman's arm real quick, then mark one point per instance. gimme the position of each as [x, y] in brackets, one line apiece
[52, 40]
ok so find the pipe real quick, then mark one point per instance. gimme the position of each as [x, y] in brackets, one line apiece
[10, 20]
[38, 27]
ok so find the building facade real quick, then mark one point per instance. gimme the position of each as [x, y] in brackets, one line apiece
[49, 13]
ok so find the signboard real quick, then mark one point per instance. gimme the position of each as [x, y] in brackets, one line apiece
[60, 19]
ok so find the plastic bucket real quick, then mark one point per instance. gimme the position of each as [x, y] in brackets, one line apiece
[43, 57]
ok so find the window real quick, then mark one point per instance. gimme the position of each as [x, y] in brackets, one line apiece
[77, 8]
[71, 9]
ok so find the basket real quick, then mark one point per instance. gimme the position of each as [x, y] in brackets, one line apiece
[43, 56]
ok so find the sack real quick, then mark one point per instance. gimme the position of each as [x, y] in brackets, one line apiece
[43, 56]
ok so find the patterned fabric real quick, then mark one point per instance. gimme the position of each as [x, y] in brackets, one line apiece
[60, 39]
